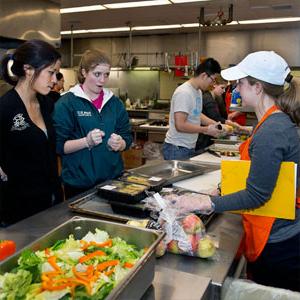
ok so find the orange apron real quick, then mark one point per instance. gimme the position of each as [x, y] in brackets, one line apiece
[257, 228]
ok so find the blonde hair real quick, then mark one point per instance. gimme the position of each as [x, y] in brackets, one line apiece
[286, 97]
[89, 60]
[218, 81]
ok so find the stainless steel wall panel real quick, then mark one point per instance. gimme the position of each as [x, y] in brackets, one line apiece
[31, 19]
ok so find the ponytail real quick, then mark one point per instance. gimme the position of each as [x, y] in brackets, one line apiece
[289, 100]
[4, 70]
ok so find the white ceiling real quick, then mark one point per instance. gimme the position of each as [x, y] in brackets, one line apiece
[178, 13]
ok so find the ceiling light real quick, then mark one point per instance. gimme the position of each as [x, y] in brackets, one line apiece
[273, 20]
[97, 30]
[136, 4]
[186, 1]
[191, 25]
[156, 27]
[81, 9]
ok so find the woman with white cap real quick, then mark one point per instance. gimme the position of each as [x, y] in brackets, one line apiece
[271, 245]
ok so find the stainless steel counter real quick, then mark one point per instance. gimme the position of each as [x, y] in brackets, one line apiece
[176, 277]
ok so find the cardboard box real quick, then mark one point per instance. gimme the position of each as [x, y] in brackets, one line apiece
[133, 158]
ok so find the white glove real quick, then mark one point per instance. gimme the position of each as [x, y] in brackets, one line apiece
[116, 142]
[195, 202]
[214, 131]
[3, 176]
[94, 138]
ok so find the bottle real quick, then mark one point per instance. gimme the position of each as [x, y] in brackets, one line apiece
[236, 99]
[128, 103]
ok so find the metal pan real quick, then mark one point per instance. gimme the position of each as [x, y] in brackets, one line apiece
[136, 282]
[171, 170]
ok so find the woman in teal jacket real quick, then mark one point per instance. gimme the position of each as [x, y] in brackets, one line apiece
[92, 128]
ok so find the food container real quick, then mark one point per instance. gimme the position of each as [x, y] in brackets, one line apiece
[140, 277]
[153, 183]
[120, 191]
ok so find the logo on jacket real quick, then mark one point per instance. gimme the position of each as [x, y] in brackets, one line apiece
[19, 123]
[81, 113]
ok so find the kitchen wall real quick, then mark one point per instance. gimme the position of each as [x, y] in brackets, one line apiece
[227, 47]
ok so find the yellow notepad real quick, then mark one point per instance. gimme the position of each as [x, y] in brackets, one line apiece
[282, 203]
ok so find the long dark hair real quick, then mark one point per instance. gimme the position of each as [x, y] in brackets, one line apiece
[36, 53]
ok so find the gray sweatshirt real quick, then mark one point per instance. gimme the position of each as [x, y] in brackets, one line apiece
[274, 142]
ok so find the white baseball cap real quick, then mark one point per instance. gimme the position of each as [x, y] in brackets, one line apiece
[263, 65]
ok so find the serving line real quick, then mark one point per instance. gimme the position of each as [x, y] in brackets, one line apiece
[193, 277]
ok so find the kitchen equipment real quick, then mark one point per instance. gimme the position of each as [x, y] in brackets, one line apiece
[121, 191]
[172, 170]
[136, 282]
[93, 204]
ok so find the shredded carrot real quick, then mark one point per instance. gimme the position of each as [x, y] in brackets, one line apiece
[109, 272]
[106, 264]
[52, 262]
[86, 245]
[91, 255]
[47, 251]
[128, 265]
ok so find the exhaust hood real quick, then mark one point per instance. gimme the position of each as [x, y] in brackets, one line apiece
[32, 19]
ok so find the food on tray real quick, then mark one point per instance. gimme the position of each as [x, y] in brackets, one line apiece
[124, 187]
[138, 179]
[71, 269]
[132, 189]
[229, 153]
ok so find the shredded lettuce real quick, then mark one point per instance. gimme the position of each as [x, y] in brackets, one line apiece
[24, 282]
[99, 236]
[31, 262]
[15, 285]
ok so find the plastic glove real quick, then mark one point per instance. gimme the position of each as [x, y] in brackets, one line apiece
[94, 138]
[116, 143]
[3, 176]
[214, 131]
[195, 202]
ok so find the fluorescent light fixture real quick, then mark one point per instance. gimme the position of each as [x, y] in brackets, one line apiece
[174, 26]
[272, 20]
[136, 4]
[97, 30]
[156, 27]
[81, 9]
[190, 25]
[186, 1]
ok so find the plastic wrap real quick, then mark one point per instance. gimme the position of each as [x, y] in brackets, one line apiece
[185, 233]
[239, 289]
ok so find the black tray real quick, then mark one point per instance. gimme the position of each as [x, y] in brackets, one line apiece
[153, 183]
[120, 191]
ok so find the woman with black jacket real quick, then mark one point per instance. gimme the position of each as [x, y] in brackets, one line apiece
[29, 181]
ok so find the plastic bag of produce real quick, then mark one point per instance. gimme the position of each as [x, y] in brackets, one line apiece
[185, 233]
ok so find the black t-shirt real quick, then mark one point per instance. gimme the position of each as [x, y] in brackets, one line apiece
[27, 156]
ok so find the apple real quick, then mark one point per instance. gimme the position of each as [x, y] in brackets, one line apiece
[173, 247]
[206, 248]
[194, 241]
[161, 249]
[192, 224]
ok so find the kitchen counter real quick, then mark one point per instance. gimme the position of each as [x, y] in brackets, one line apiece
[199, 278]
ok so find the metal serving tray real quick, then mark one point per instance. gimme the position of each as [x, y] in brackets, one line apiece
[136, 282]
[93, 204]
[171, 170]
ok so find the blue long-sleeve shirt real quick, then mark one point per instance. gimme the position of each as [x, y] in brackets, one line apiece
[274, 142]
